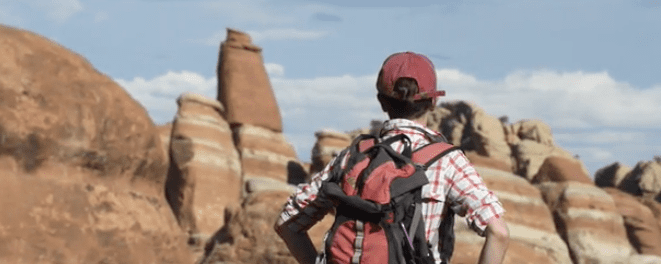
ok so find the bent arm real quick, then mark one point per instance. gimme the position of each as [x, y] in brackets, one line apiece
[497, 240]
[298, 243]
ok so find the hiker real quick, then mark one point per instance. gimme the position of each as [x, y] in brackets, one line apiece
[407, 92]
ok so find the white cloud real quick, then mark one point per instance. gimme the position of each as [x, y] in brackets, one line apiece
[274, 70]
[158, 95]
[564, 100]
[58, 10]
[286, 34]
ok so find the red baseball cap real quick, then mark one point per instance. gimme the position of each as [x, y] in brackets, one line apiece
[411, 65]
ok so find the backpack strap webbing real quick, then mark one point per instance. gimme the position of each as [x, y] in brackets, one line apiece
[417, 215]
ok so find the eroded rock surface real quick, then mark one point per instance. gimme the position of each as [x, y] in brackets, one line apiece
[588, 220]
[205, 175]
[533, 236]
[81, 164]
[243, 85]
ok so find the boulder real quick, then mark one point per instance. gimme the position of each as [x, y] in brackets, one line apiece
[470, 127]
[455, 118]
[205, 175]
[55, 106]
[530, 155]
[560, 169]
[511, 133]
[611, 175]
[588, 220]
[374, 129]
[243, 84]
[642, 229]
[248, 235]
[329, 144]
[478, 160]
[644, 179]
[266, 154]
[435, 119]
[533, 237]
[654, 206]
[534, 130]
[81, 164]
[489, 136]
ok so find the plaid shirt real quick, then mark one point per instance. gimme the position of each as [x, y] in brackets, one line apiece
[453, 182]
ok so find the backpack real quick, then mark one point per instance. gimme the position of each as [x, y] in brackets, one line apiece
[377, 197]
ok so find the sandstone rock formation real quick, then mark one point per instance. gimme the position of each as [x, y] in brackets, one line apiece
[561, 169]
[642, 229]
[266, 156]
[205, 175]
[80, 161]
[533, 237]
[644, 179]
[329, 144]
[165, 134]
[468, 126]
[478, 160]
[243, 85]
[611, 175]
[534, 130]
[56, 107]
[644, 259]
[589, 222]
[248, 235]
[530, 156]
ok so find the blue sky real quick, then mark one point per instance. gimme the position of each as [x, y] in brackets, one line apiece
[590, 69]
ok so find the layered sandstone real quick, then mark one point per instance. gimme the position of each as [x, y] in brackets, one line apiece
[243, 84]
[533, 236]
[561, 169]
[329, 144]
[642, 229]
[588, 221]
[205, 175]
[267, 158]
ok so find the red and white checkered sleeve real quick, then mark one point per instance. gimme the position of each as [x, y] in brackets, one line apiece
[306, 193]
[469, 194]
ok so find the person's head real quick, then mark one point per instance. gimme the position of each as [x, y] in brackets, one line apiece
[406, 85]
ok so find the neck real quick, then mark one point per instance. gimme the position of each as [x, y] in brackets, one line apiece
[422, 119]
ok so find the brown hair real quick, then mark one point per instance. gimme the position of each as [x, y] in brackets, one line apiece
[404, 108]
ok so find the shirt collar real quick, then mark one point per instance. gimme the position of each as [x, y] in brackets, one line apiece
[403, 124]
